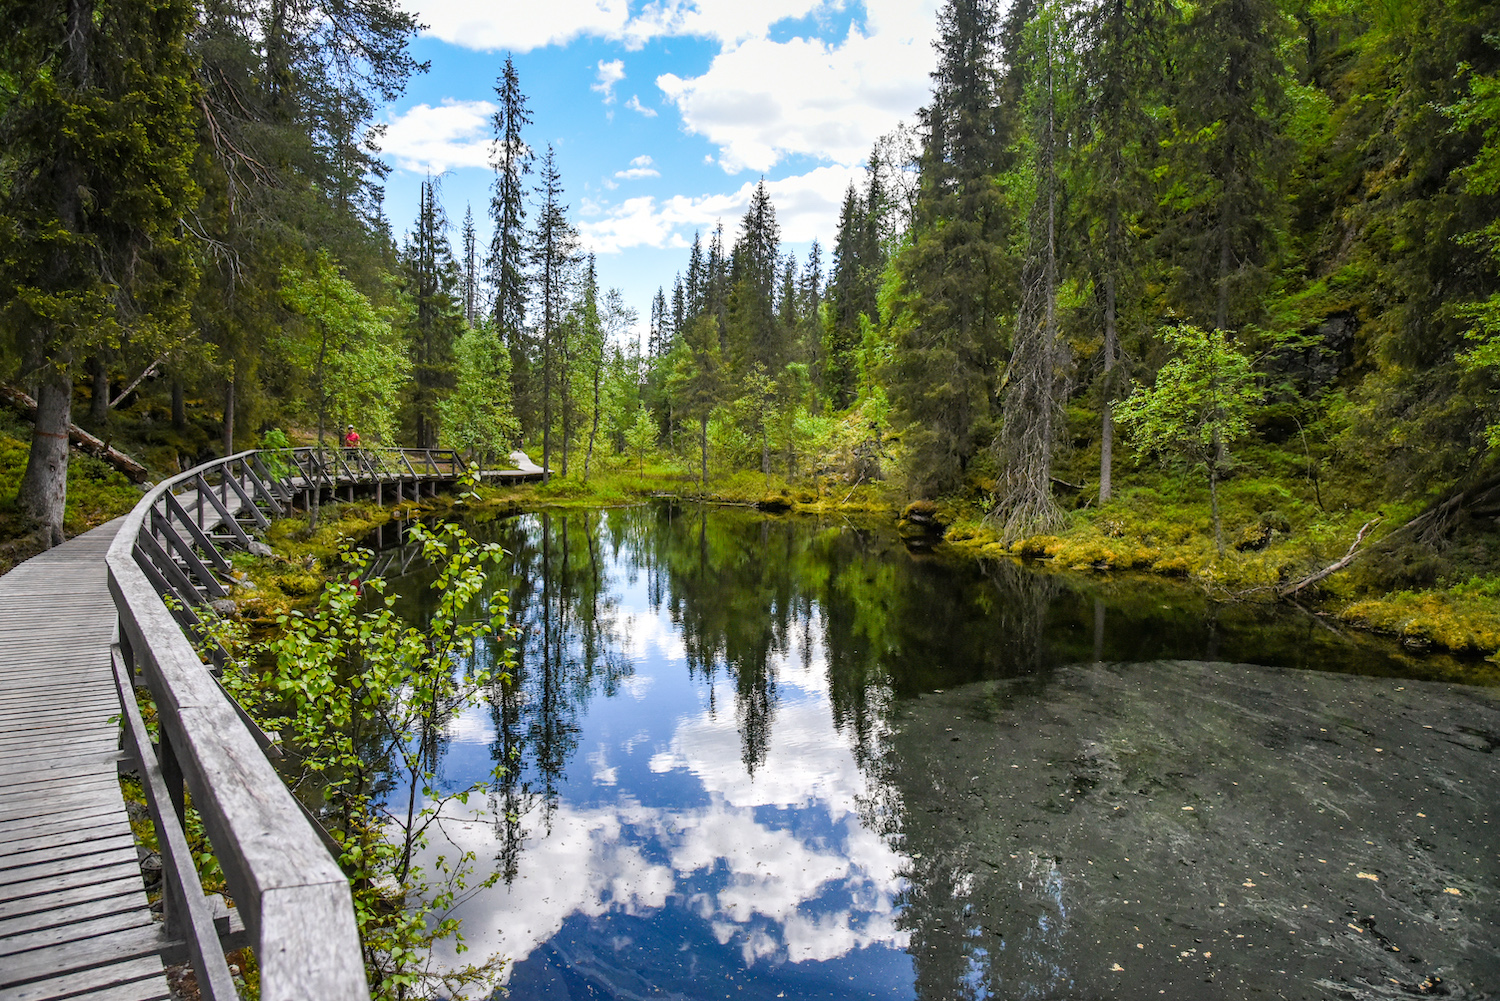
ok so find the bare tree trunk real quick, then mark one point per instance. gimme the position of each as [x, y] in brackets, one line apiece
[44, 486]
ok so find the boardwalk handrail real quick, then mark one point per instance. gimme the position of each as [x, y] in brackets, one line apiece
[288, 888]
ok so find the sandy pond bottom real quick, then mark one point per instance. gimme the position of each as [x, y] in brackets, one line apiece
[1191, 830]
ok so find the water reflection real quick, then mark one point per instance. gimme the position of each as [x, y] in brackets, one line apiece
[786, 759]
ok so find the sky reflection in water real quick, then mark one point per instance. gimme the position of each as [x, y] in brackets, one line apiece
[760, 758]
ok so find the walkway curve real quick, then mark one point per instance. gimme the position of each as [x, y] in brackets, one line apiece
[80, 625]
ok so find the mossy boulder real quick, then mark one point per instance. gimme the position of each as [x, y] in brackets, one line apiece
[924, 519]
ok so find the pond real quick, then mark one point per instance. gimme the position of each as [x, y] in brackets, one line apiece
[752, 757]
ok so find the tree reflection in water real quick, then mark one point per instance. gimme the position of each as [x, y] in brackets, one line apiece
[921, 766]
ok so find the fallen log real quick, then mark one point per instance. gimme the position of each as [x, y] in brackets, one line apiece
[1332, 568]
[80, 438]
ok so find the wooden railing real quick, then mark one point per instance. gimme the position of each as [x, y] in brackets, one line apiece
[292, 901]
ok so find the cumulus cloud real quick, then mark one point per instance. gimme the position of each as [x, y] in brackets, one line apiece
[435, 140]
[523, 27]
[610, 73]
[520, 26]
[634, 104]
[762, 100]
[807, 206]
[641, 166]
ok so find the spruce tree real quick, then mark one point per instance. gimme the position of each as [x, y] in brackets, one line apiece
[430, 279]
[470, 270]
[511, 158]
[96, 126]
[756, 337]
[1121, 45]
[553, 254]
[956, 279]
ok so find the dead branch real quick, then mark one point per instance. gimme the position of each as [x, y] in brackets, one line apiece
[1332, 568]
[80, 438]
[145, 374]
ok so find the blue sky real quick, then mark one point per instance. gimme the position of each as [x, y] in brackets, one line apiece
[664, 115]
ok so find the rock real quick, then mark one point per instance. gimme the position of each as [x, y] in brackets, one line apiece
[922, 520]
[258, 548]
[225, 608]
[247, 585]
[774, 504]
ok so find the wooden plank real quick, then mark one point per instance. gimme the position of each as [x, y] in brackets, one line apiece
[183, 551]
[131, 903]
[64, 848]
[200, 539]
[59, 824]
[60, 782]
[39, 809]
[118, 868]
[63, 864]
[151, 989]
[64, 757]
[78, 841]
[102, 890]
[47, 960]
[71, 985]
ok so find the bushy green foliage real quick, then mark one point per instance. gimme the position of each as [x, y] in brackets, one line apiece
[363, 697]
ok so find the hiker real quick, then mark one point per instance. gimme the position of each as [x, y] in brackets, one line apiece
[351, 438]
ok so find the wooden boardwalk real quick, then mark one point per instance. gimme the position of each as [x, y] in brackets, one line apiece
[74, 922]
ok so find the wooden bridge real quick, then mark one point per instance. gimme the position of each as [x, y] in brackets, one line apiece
[82, 626]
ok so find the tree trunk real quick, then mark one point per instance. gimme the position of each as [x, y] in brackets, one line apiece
[99, 405]
[703, 446]
[1213, 491]
[44, 486]
[229, 417]
[594, 427]
[179, 405]
[1107, 420]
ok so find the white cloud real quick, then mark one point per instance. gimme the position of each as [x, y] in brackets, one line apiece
[760, 100]
[610, 73]
[523, 27]
[520, 26]
[432, 140]
[641, 166]
[634, 104]
[807, 207]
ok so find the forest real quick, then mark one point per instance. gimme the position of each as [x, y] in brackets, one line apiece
[1202, 278]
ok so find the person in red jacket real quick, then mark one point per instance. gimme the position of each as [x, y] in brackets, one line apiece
[351, 438]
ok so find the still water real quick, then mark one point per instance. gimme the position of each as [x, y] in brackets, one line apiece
[750, 757]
